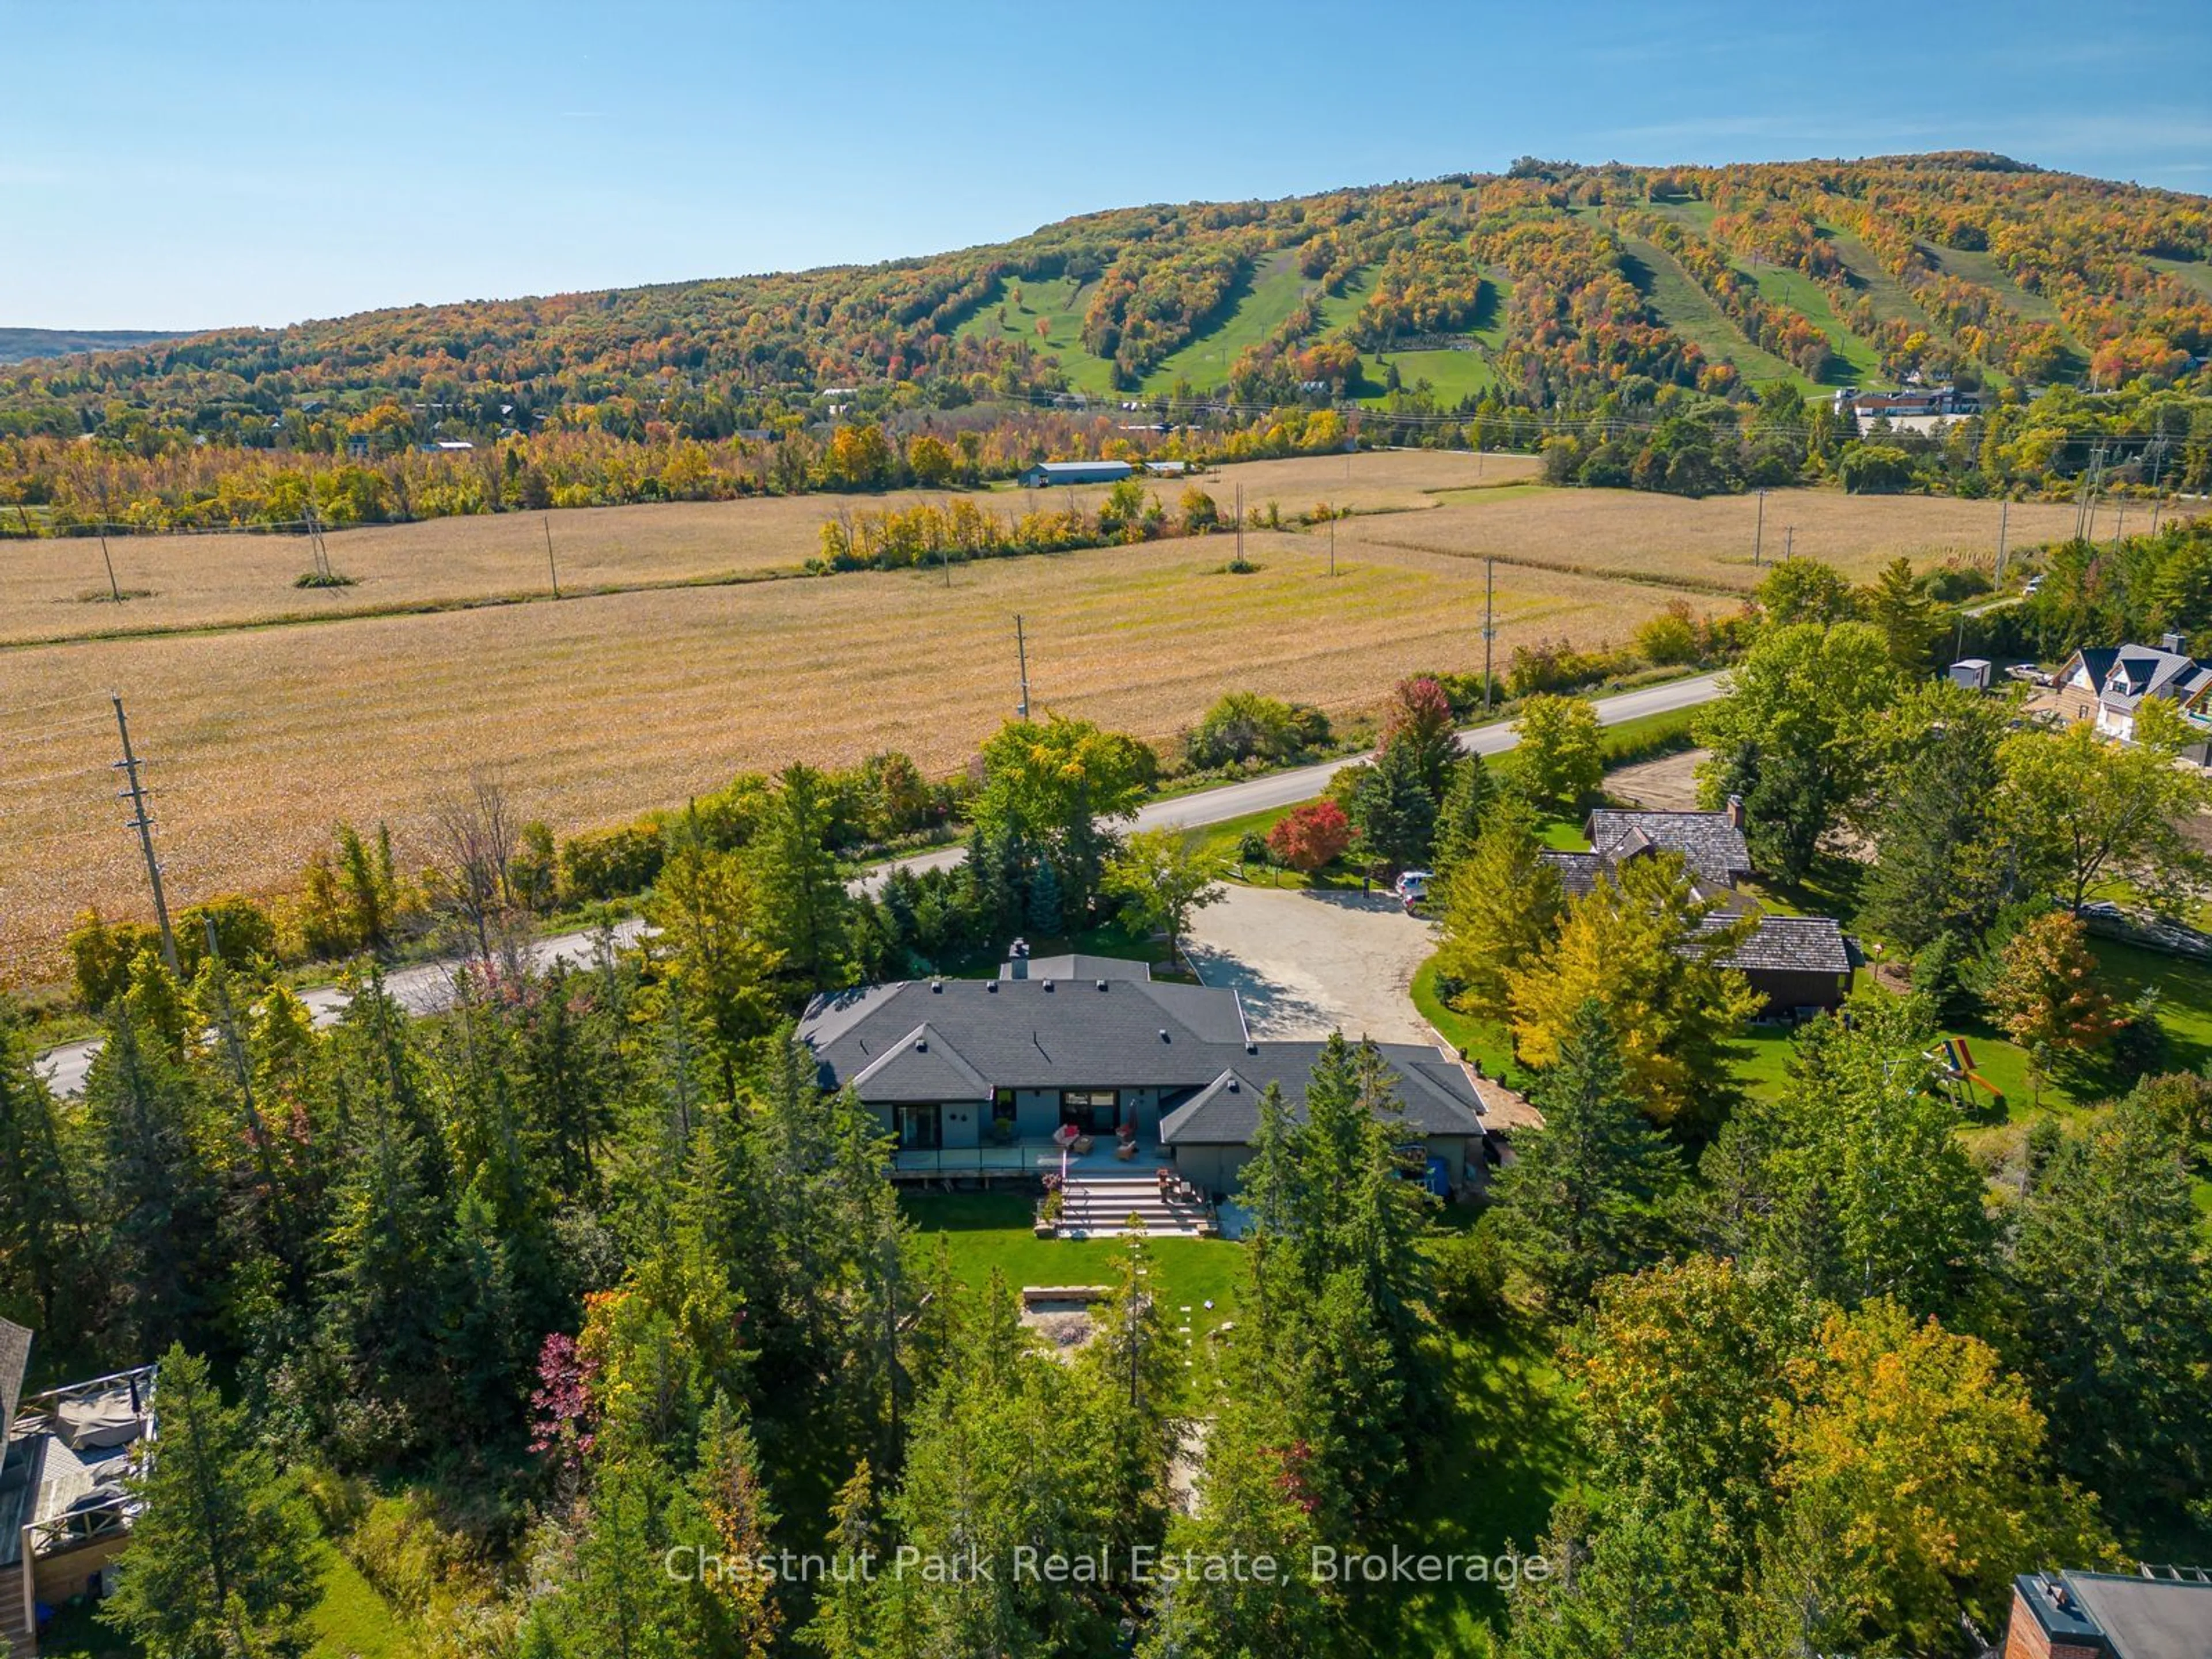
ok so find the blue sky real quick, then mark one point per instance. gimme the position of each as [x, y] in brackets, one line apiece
[217, 162]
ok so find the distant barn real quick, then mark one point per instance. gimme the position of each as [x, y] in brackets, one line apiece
[1074, 473]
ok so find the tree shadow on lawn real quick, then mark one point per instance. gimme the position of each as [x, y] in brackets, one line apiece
[1507, 1451]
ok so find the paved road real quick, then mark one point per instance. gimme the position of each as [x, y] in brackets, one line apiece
[428, 988]
[1279, 789]
[425, 988]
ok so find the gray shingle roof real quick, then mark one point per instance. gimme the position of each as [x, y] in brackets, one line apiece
[1035, 1034]
[941, 1040]
[1795, 944]
[922, 1066]
[1712, 847]
[1436, 1095]
[14, 1361]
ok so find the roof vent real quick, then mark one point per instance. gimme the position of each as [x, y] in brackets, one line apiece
[1048, 984]
[1232, 1085]
[937, 987]
[1102, 984]
[1163, 1034]
[992, 985]
[921, 1045]
[1251, 1047]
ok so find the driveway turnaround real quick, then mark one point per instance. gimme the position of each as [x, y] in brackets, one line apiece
[1308, 963]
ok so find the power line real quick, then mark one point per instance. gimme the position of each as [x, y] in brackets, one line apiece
[142, 820]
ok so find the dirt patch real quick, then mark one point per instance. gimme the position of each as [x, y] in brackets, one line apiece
[1064, 1326]
[1668, 784]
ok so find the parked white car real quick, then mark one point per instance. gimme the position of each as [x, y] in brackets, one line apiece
[1412, 887]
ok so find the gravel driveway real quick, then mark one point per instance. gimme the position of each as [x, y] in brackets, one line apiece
[1307, 964]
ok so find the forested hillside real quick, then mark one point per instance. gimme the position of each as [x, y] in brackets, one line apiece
[1553, 287]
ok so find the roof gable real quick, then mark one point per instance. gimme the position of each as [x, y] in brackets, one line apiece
[1712, 847]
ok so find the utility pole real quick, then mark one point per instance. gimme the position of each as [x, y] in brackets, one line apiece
[1240, 525]
[1021, 652]
[1788, 541]
[1758, 533]
[2004, 512]
[1332, 542]
[142, 822]
[551, 569]
[1489, 624]
[113, 591]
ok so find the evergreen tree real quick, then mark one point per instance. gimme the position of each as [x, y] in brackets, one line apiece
[2111, 1297]
[1943, 864]
[1460, 820]
[221, 1558]
[1394, 810]
[42, 1241]
[802, 909]
[155, 1196]
[1900, 607]
[1853, 1184]
[1045, 913]
[1585, 1196]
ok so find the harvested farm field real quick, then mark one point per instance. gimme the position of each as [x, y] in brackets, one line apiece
[57, 588]
[1708, 545]
[597, 709]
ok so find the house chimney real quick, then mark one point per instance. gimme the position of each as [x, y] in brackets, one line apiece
[1736, 811]
[2177, 643]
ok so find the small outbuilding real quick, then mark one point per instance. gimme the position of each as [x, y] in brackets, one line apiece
[1973, 672]
[1044, 474]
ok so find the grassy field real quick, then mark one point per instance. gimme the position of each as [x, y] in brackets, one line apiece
[1451, 375]
[1061, 303]
[1860, 363]
[1682, 306]
[1709, 543]
[1255, 309]
[2196, 273]
[220, 580]
[597, 709]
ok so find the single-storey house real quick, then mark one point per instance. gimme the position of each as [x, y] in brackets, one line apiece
[1045, 474]
[976, 1076]
[2108, 684]
[65, 1510]
[2153, 1613]
[1793, 962]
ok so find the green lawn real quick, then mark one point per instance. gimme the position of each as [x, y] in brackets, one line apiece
[1693, 215]
[1506, 1454]
[1981, 266]
[352, 1621]
[349, 1621]
[987, 1231]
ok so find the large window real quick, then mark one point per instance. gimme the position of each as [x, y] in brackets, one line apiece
[1094, 1111]
[919, 1129]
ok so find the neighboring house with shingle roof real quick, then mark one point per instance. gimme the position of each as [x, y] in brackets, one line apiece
[958, 1066]
[2107, 684]
[1793, 962]
[1710, 843]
